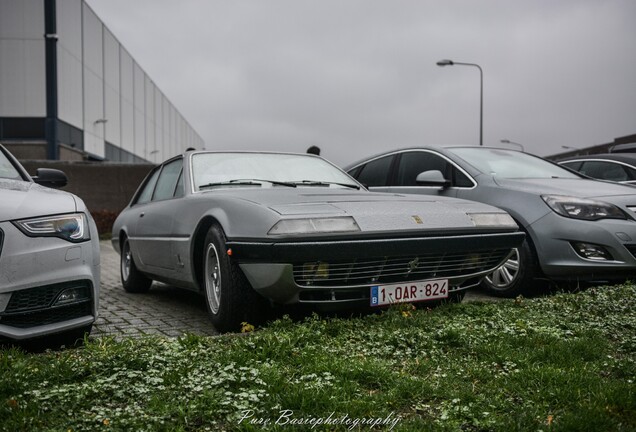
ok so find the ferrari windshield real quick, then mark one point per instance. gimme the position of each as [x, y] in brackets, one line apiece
[510, 164]
[7, 170]
[257, 169]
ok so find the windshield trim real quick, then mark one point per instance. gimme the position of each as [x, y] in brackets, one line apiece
[23, 175]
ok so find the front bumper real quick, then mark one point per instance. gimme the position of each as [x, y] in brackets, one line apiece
[553, 236]
[34, 272]
[332, 273]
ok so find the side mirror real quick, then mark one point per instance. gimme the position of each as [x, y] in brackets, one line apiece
[432, 178]
[50, 178]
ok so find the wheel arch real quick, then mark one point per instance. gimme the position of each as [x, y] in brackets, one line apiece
[121, 236]
[196, 248]
[530, 238]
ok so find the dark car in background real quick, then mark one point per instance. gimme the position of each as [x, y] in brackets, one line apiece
[49, 257]
[616, 167]
[577, 228]
[250, 229]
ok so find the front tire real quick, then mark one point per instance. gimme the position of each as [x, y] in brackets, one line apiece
[229, 297]
[515, 276]
[132, 279]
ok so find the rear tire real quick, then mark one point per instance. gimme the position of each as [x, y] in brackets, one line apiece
[515, 276]
[132, 279]
[229, 297]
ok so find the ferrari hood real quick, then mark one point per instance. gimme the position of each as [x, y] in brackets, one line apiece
[21, 199]
[375, 211]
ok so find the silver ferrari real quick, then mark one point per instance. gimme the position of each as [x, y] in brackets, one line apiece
[250, 229]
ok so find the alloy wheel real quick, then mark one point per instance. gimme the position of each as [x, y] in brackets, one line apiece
[212, 278]
[506, 274]
[126, 261]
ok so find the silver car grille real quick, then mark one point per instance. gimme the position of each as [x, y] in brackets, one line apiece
[396, 269]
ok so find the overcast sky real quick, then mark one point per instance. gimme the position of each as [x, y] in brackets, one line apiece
[358, 77]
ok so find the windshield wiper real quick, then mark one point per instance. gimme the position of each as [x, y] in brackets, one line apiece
[323, 183]
[230, 183]
[245, 182]
[276, 182]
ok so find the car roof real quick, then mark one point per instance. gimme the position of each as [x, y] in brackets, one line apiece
[443, 149]
[619, 157]
[623, 148]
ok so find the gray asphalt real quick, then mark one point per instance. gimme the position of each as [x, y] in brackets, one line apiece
[164, 310]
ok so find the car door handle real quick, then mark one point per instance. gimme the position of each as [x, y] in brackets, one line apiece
[141, 214]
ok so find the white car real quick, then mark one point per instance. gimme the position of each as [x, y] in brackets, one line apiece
[49, 257]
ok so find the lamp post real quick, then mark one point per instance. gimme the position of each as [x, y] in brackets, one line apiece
[506, 141]
[443, 63]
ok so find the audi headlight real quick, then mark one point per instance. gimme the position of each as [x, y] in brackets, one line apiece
[582, 208]
[315, 226]
[70, 227]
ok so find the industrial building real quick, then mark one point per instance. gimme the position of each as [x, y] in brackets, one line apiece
[69, 90]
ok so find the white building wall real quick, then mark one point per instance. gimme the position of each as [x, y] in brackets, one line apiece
[93, 55]
[158, 144]
[167, 140]
[22, 60]
[102, 91]
[70, 104]
[174, 143]
[139, 91]
[127, 109]
[151, 150]
[112, 89]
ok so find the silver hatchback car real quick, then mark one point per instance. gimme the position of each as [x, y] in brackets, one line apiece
[577, 229]
[49, 257]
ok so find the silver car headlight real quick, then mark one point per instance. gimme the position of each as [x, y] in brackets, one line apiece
[71, 227]
[315, 226]
[495, 220]
[583, 208]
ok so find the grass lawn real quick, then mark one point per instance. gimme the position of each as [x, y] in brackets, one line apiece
[566, 362]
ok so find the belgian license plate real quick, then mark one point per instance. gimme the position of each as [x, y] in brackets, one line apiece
[409, 292]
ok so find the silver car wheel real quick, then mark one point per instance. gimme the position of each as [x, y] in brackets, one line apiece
[212, 278]
[126, 261]
[506, 274]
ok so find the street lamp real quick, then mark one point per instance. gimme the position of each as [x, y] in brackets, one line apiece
[443, 63]
[505, 141]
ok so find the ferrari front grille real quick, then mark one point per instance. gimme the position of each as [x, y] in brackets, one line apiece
[396, 269]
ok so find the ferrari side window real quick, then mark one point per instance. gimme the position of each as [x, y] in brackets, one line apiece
[167, 180]
[149, 187]
[179, 190]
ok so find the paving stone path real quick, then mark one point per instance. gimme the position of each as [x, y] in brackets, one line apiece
[164, 310]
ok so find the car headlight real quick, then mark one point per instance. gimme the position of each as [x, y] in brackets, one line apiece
[70, 227]
[582, 208]
[314, 226]
[495, 220]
